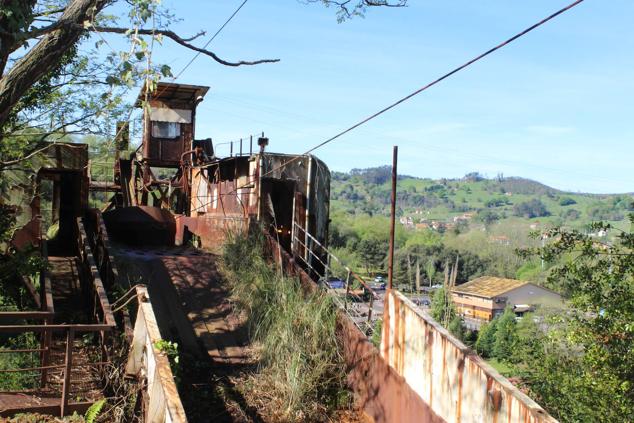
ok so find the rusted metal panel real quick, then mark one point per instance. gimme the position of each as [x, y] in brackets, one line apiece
[167, 152]
[66, 163]
[141, 225]
[457, 384]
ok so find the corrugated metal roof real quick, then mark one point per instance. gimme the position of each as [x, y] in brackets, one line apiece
[489, 286]
[168, 91]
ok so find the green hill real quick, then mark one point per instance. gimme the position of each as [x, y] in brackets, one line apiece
[479, 200]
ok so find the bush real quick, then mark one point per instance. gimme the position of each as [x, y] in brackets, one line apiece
[505, 336]
[486, 338]
[530, 209]
[566, 201]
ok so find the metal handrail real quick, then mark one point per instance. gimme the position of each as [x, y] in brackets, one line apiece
[365, 325]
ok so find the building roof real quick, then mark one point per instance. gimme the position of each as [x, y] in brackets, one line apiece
[168, 91]
[489, 286]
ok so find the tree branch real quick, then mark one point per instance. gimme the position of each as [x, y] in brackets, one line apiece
[184, 42]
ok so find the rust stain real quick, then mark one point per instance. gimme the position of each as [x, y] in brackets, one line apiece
[429, 341]
[397, 340]
[461, 361]
[385, 336]
[509, 407]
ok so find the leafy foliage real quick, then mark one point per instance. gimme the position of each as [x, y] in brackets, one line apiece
[93, 411]
[486, 338]
[505, 337]
[585, 368]
[530, 209]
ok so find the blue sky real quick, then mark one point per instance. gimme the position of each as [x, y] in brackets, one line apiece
[556, 106]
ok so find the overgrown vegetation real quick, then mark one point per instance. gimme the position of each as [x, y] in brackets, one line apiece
[301, 374]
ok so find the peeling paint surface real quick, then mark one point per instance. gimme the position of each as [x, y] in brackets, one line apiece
[457, 384]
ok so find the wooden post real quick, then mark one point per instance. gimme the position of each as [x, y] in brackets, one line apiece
[370, 309]
[390, 268]
[70, 339]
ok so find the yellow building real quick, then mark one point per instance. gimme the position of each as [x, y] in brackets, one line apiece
[486, 297]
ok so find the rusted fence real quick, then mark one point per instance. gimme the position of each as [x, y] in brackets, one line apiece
[454, 381]
[42, 323]
[147, 362]
[358, 304]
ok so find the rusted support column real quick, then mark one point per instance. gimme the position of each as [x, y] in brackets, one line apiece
[70, 339]
[45, 345]
[390, 266]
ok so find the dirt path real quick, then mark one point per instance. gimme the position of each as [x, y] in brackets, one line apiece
[193, 308]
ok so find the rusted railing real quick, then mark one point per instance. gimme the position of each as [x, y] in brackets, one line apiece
[318, 259]
[102, 322]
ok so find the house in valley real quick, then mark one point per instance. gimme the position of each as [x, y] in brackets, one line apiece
[486, 297]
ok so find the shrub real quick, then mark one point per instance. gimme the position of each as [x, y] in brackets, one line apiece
[567, 201]
[486, 338]
[530, 209]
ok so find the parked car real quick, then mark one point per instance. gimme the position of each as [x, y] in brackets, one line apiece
[379, 279]
[335, 283]
[378, 286]
[421, 302]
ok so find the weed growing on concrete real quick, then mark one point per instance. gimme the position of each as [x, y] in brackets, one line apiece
[302, 375]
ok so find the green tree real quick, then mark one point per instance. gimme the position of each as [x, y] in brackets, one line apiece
[456, 327]
[530, 209]
[591, 377]
[372, 253]
[505, 336]
[486, 338]
[442, 307]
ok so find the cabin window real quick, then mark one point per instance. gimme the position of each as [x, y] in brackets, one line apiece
[166, 129]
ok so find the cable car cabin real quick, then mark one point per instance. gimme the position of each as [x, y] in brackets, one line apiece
[169, 122]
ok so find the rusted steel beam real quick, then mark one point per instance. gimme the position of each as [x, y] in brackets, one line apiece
[31, 369]
[70, 340]
[79, 407]
[390, 263]
[55, 328]
[31, 288]
[96, 278]
[26, 314]
[23, 350]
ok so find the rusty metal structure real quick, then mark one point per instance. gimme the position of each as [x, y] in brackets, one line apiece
[174, 190]
[70, 296]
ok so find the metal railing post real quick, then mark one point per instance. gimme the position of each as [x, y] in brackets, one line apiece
[231, 149]
[347, 290]
[241, 146]
[45, 344]
[70, 339]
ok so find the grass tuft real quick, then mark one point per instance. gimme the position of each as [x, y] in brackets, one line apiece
[301, 372]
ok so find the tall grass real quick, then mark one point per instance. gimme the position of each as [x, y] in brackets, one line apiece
[302, 371]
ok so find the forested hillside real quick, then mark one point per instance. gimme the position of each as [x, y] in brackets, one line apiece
[482, 221]
[367, 191]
